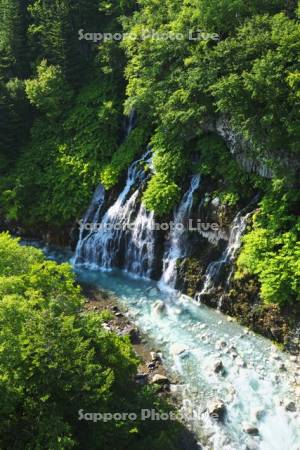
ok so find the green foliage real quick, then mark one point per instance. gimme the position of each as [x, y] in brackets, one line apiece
[15, 119]
[170, 165]
[161, 194]
[258, 89]
[49, 92]
[272, 249]
[65, 161]
[14, 259]
[76, 108]
[123, 157]
[226, 15]
[229, 198]
[53, 35]
[250, 74]
[14, 58]
[14, 115]
[69, 126]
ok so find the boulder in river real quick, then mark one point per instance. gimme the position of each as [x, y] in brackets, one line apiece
[160, 379]
[133, 334]
[159, 307]
[275, 356]
[290, 406]
[154, 356]
[258, 414]
[282, 367]
[151, 365]
[218, 366]
[293, 358]
[220, 345]
[216, 409]
[251, 429]
[141, 378]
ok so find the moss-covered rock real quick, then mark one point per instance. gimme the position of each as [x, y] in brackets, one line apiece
[243, 302]
[190, 274]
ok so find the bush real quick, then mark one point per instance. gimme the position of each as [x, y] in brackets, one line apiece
[161, 195]
[123, 157]
[271, 249]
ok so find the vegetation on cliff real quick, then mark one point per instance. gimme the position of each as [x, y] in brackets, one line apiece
[62, 99]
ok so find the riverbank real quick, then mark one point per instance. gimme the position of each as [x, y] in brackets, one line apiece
[151, 370]
[151, 367]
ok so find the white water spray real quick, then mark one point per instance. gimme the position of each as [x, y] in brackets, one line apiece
[214, 270]
[177, 244]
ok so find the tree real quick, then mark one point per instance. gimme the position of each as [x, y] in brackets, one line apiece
[49, 92]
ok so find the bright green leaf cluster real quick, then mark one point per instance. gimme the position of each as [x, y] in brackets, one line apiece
[271, 251]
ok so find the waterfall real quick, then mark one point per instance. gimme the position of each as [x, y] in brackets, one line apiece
[140, 249]
[176, 246]
[131, 121]
[92, 216]
[214, 270]
[119, 240]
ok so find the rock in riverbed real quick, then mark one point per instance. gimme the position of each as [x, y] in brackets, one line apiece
[159, 307]
[240, 362]
[290, 406]
[160, 379]
[216, 409]
[220, 345]
[141, 378]
[133, 334]
[251, 429]
[218, 366]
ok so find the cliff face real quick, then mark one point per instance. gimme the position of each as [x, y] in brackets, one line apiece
[244, 151]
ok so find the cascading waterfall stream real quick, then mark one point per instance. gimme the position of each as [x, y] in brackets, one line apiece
[91, 216]
[140, 249]
[177, 243]
[214, 270]
[131, 121]
[119, 230]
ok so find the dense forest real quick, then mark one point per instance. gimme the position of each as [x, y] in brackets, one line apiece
[182, 67]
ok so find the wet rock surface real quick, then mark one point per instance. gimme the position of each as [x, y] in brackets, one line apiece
[151, 369]
[241, 301]
[216, 409]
